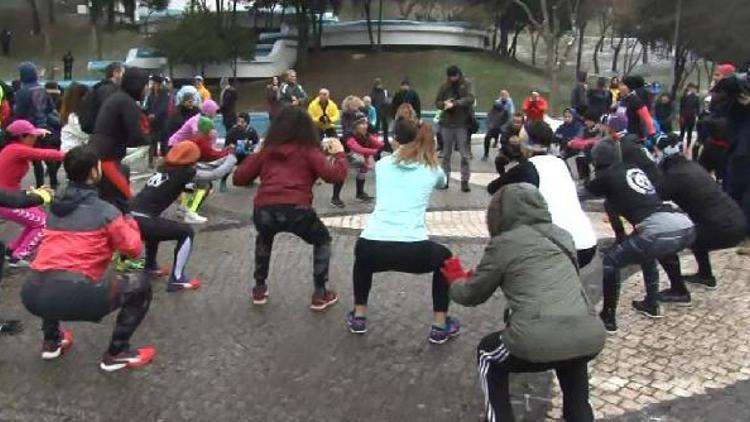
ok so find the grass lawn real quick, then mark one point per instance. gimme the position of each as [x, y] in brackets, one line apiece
[347, 72]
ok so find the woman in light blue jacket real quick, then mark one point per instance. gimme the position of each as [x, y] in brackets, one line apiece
[395, 238]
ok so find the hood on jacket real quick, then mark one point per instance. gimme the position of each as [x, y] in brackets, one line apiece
[27, 73]
[133, 83]
[516, 205]
[606, 153]
[73, 196]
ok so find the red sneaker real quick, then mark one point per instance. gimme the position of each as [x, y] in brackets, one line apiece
[176, 286]
[322, 301]
[55, 349]
[260, 295]
[128, 359]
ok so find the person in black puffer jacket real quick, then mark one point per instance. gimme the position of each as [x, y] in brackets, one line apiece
[719, 222]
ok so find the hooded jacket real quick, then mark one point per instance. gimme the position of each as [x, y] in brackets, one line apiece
[288, 173]
[535, 109]
[32, 102]
[462, 94]
[689, 185]
[530, 260]
[121, 124]
[83, 232]
[402, 192]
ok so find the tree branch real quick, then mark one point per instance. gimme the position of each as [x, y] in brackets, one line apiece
[529, 13]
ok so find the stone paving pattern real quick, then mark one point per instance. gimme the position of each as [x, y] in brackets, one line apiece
[221, 358]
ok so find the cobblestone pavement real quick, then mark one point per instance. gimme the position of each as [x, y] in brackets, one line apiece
[221, 358]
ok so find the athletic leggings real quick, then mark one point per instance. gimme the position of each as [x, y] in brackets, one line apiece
[157, 229]
[375, 256]
[33, 220]
[298, 220]
[52, 168]
[496, 363]
[58, 296]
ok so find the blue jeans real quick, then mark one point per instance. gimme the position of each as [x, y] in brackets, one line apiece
[645, 249]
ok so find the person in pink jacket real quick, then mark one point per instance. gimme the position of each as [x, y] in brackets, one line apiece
[363, 147]
[15, 159]
[189, 130]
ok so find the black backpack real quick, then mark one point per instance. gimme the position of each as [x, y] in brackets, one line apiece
[90, 108]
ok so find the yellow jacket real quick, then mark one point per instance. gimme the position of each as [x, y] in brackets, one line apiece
[316, 112]
[204, 93]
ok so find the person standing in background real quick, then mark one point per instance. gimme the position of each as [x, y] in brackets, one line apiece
[68, 66]
[324, 113]
[5, 38]
[664, 112]
[578, 99]
[228, 103]
[157, 106]
[535, 106]
[456, 100]
[272, 97]
[71, 134]
[599, 98]
[200, 85]
[690, 107]
[407, 95]
[380, 101]
[291, 92]
[509, 104]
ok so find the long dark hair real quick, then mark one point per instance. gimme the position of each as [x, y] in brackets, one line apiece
[72, 101]
[292, 126]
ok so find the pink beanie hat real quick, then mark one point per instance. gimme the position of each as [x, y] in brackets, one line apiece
[209, 106]
[726, 69]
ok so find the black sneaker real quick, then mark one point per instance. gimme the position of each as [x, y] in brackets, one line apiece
[675, 297]
[337, 203]
[465, 187]
[709, 282]
[651, 310]
[609, 320]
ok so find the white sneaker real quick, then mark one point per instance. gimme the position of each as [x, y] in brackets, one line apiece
[18, 263]
[181, 210]
[193, 218]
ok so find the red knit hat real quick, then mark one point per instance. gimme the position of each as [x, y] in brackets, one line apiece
[726, 69]
[185, 153]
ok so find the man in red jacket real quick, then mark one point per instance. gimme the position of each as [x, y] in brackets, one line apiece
[535, 106]
[68, 281]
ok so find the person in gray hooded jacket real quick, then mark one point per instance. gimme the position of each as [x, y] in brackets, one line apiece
[552, 324]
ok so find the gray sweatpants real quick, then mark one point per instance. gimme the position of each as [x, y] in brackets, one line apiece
[451, 137]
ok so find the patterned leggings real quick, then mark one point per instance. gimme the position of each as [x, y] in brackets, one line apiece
[33, 221]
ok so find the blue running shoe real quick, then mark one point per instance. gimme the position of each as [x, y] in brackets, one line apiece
[357, 325]
[440, 335]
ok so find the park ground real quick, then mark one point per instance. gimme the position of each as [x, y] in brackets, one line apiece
[222, 358]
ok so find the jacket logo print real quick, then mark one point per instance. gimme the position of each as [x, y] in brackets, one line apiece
[639, 182]
[157, 180]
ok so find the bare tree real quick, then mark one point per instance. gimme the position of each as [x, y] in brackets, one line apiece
[406, 7]
[605, 23]
[36, 27]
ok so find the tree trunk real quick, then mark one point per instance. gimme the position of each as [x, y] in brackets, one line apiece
[644, 46]
[616, 54]
[534, 44]
[579, 54]
[110, 15]
[514, 44]
[36, 27]
[303, 34]
[504, 26]
[550, 68]
[380, 24]
[368, 18]
[598, 47]
[51, 12]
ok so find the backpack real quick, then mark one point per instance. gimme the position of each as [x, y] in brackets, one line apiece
[90, 108]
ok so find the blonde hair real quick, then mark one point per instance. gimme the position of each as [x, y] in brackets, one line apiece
[352, 103]
[422, 149]
[406, 111]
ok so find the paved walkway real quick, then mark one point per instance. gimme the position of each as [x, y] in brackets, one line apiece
[221, 358]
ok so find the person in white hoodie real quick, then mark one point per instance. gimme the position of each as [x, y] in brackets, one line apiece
[71, 134]
[551, 176]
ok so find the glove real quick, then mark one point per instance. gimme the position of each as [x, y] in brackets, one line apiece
[45, 193]
[453, 270]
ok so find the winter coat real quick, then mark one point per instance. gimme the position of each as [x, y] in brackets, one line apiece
[119, 125]
[690, 107]
[462, 95]
[599, 101]
[498, 116]
[206, 145]
[531, 261]
[578, 98]
[72, 135]
[535, 110]
[178, 119]
[403, 192]
[694, 190]
[288, 173]
[83, 232]
[32, 102]
[289, 90]
[316, 112]
[409, 96]
[380, 100]
[15, 160]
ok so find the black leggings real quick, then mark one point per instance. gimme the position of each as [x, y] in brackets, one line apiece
[375, 256]
[157, 229]
[686, 128]
[58, 296]
[712, 239]
[495, 364]
[585, 256]
[52, 168]
[298, 220]
[492, 134]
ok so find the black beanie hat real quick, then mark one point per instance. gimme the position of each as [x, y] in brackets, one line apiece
[453, 71]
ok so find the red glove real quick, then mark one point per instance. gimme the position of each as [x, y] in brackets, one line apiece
[453, 270]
